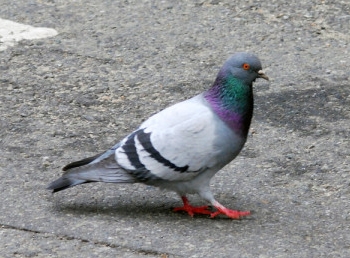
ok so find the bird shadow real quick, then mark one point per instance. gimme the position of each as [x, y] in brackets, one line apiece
[127, 208]
[81, 208]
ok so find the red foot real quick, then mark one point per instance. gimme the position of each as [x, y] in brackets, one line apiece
[233, 214]
[191, 210]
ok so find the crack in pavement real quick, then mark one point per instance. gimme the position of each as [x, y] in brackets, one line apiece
[146, 252]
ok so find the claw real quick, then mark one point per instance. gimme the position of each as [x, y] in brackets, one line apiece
[233, 214]
[191, 210]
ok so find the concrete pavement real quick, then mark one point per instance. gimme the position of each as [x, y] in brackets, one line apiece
[113, 64]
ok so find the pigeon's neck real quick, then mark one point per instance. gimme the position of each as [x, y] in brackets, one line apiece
[232, 101]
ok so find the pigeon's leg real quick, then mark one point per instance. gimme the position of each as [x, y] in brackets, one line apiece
[206, 194]
[233, 214]
[191, 210]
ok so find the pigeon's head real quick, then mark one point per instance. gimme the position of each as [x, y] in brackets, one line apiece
[244, 66]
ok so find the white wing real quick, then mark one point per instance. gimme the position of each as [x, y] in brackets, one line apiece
[178, 143]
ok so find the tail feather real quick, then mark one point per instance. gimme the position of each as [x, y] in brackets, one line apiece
[103, 168]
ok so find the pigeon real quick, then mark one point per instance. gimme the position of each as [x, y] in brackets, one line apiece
[183, 146]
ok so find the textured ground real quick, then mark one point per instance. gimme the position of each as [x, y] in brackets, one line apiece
[113, 64]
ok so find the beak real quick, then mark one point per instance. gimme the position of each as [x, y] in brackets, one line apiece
[262, 75]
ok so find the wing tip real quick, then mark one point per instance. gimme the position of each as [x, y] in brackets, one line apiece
[63, 183]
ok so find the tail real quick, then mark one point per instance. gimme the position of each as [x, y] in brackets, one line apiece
[100, 168]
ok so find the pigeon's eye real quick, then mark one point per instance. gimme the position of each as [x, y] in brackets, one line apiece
[246, 66]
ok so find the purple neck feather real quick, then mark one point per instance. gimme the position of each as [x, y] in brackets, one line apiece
[232, 101]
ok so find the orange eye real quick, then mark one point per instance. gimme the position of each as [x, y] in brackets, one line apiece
[246, 66]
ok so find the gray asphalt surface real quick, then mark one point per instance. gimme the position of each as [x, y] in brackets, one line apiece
[113, 64]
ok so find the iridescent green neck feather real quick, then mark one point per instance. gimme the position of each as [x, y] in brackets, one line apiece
[232, 101]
